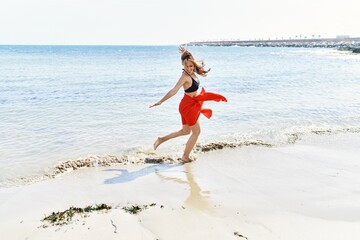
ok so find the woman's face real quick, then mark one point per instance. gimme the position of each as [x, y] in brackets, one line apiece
[189, 67]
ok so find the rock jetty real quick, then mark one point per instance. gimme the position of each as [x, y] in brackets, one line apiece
[352, 44]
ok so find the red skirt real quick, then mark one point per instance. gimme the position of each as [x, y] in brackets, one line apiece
[191, 107]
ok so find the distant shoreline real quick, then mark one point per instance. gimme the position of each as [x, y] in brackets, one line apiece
[307, 43]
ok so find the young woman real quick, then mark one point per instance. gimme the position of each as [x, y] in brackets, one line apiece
[191, 104]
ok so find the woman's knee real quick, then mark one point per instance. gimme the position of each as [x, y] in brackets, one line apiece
[196, 130]
[186, 131]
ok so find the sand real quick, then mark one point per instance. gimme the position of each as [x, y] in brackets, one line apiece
[309, 190]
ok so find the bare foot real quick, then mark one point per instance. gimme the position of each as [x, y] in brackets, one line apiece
[185, 159]
[157, 143]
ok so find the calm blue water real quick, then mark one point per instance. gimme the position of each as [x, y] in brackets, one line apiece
[65, 102]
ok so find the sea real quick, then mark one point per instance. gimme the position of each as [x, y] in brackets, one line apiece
[66, 103]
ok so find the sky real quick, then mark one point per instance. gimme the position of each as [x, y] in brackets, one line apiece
[167, 22]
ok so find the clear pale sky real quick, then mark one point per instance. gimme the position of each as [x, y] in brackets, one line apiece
[158, 22]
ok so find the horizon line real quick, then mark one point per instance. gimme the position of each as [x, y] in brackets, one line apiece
[129, 45]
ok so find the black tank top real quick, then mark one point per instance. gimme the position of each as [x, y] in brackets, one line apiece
[194, 86]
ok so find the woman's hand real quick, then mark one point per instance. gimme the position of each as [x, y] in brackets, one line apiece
[156, 104]
[182, 49]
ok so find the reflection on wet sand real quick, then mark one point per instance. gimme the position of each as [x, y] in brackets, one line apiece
[196, 198]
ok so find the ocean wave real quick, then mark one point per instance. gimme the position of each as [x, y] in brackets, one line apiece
[138, 157]
[297, 135]
[221, 145]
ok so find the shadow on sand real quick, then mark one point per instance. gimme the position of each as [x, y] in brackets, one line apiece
[126, 176]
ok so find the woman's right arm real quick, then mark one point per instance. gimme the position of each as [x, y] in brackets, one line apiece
[171, 93]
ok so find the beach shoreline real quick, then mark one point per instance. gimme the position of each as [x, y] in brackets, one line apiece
[303, 191]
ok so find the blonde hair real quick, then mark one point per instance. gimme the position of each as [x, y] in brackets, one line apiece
[199, 65]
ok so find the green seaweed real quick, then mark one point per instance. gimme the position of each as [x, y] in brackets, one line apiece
[135, 209]
[64, 217]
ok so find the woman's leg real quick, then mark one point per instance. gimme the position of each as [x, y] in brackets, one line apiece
[184, 131]
[195, 129]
